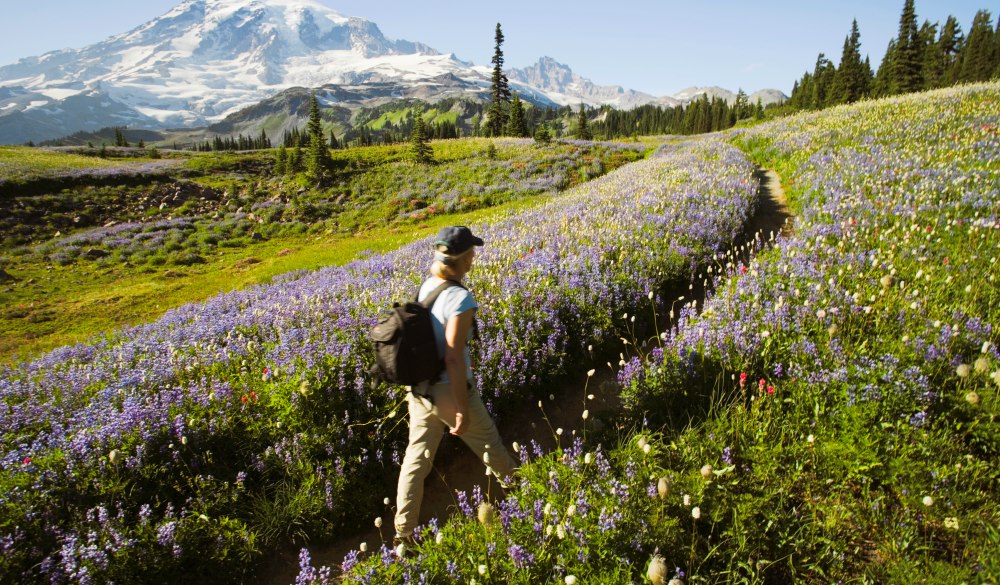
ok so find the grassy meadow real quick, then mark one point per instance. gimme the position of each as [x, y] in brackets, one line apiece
[826, 414]
[90, 255]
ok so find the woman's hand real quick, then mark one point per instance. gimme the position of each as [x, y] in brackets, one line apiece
[459, 424]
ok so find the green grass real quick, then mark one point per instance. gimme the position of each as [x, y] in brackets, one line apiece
[374, 200]
[18, 163]
[51, 306]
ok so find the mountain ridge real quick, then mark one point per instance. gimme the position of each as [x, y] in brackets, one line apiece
[205, 60]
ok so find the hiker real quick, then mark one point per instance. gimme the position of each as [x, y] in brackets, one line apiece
[452, 401]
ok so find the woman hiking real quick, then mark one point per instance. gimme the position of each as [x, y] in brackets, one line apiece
[452, 401]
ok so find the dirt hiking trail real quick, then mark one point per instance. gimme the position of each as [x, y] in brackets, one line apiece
[456, 468]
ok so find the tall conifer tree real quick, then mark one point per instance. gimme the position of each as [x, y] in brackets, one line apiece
[500, 90]
[978, 55]
[906, 63]
[420, 148]
[850, 81]
[318, 154]
[582, 126]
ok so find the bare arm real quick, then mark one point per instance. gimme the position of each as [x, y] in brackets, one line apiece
[454, 361]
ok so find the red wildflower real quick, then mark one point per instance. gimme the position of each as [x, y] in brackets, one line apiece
[770, 389]
[743, 269]
[244, 399]
[27, 461]
[253, 395]
[743, 379]
[760, 385]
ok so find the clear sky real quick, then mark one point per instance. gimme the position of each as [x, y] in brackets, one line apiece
[655, 46]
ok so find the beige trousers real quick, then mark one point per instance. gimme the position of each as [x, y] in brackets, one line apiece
[432, 413]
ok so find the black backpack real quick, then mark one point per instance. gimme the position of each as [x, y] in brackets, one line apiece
[405, 348]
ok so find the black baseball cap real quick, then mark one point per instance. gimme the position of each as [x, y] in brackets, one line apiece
[457, 239]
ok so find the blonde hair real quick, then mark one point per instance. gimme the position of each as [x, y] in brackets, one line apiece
[450, 266]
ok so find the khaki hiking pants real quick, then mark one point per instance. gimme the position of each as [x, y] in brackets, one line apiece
[432, 414]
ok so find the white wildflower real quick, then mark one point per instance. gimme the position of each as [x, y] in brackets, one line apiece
[657, 571]
[663, 488]
[486, 513]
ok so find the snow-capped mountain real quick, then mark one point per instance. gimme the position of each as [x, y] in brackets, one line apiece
[567, 88]
[208, 59]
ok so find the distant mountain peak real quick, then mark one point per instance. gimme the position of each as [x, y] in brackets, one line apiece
[207, 59]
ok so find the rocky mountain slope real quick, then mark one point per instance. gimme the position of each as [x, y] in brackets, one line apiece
[208, 59]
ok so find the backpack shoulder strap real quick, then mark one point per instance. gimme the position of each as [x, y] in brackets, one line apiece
[431, 298]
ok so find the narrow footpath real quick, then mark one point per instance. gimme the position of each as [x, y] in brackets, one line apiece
[457, 469]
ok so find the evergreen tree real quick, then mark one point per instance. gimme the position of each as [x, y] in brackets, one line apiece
[582, 125]
[823, 76]
[928, 54]
[500, 90]
[420, 148]
[941, 65]
[996, 50]
[907, 63]
[850, 82]
[281, 161]
[318, 154]
[333, 141]
[979, 51]
[543, 134]
[882, 86]
[741, 109]
[515, 123]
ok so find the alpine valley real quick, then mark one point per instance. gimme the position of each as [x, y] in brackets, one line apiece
[211, 67]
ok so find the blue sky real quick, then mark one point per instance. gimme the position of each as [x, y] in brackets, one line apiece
[658, 47]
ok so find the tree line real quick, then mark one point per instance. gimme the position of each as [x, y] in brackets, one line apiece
[920, 58]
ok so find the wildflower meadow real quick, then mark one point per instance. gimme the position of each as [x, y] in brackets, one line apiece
[187, 448]
[827, 415]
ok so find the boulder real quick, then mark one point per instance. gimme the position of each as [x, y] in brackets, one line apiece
[94, 254]
[5, 277]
